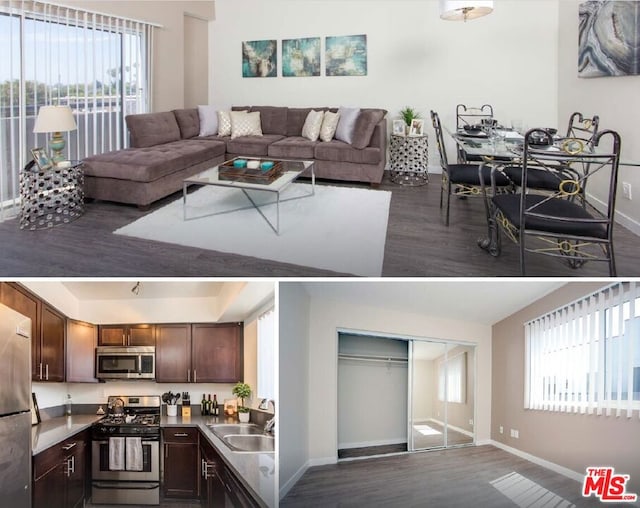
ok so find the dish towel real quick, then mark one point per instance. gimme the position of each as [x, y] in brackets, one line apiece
[134, 459]
[116, 453]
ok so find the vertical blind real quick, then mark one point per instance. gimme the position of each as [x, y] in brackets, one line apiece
[585, 356]
[97, 64]
[267, 356]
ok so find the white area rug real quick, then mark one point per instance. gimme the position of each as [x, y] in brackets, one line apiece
[340, 229]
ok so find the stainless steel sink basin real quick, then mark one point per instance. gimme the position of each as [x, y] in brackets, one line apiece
[249, 442]
[225, 429]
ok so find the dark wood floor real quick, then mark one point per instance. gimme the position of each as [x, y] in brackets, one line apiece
[447, 478]
[417, 245]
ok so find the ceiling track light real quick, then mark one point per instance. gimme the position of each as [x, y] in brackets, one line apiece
[136, 288]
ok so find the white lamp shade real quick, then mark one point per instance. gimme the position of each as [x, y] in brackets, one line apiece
[54, 119]
[462, 10]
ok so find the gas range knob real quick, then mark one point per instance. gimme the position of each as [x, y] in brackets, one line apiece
[112, 429]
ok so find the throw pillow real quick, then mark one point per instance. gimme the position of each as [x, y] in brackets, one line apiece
[347, 123]
[208, 120]
[312, 125]
[329, 124]
[224, 123]
[245, 124]
[364, 127]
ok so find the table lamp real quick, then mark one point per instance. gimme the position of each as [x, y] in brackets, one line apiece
[55, 119]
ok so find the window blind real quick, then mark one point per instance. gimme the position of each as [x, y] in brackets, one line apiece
[97, 64]
[585, 356]
[267, 356]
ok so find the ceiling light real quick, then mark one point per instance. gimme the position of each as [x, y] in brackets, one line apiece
[462, 10]
[136, 289]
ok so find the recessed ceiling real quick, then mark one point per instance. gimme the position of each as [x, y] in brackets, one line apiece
[121, 290]
[477, 301]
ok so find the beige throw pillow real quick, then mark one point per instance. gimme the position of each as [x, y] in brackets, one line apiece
[245, 124]
[329, 125]
[224, 123]
[312, 125]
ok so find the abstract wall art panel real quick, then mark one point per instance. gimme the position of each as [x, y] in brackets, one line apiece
[301, 57]
[259, 59]
[609, 40]
[346, 55]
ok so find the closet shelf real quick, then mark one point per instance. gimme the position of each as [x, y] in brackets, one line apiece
[372, 358]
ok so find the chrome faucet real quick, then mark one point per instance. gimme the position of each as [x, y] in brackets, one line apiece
[264, 405]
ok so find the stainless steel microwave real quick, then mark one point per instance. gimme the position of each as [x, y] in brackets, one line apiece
[134, 362]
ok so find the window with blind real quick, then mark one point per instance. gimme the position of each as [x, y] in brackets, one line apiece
[99, 65]
[267, 356]
[585, 357]
[452, 379]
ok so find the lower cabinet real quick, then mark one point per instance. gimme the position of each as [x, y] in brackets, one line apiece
[180, 462]
[59, 474]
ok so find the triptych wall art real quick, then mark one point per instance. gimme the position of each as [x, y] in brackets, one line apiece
[344, 56]
[609, 40]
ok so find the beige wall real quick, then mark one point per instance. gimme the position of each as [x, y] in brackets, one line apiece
[196, 61]
[617, 102]
[574, 441]
[168, 64]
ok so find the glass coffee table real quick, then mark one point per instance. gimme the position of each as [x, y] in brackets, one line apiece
[275, 180]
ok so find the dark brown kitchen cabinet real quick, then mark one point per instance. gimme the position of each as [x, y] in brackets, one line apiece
[59, 474]
[217, 352]
[82, 339]
[180, 462]
[53, 327]
[127, 335]
[199, 353]
[19, 299]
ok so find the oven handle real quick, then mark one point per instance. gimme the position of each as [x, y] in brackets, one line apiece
[125, 486]
[144, 441]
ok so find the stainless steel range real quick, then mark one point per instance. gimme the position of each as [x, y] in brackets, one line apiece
[126, 452]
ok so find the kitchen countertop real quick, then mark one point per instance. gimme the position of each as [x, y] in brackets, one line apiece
[256, 471]
[51, 432]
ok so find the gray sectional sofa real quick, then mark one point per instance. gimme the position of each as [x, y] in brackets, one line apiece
[166, 148]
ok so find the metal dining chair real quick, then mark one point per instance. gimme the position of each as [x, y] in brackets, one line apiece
[464, 176]
[562, 221]
[468, 116]
[583, 128]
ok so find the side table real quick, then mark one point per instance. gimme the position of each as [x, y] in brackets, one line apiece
[409, 157]
[51, 197]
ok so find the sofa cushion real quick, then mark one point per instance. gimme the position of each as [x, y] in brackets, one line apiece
[347, 123]
[150, 129]
[312, 125]
[257, 146]
[338, 151]
[273, 118]
[295, 120]
[188, 122]
[294, 148]
[365, 125]
[150, 163]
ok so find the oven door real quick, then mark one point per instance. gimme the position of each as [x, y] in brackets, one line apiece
[150, 469]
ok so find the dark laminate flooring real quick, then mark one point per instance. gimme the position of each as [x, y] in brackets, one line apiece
[369, 451]
[418, 245]
[457, 477]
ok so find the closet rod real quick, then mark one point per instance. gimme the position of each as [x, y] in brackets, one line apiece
[370, 358]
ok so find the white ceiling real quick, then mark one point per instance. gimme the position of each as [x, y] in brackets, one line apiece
[121, 290]
[477, 301]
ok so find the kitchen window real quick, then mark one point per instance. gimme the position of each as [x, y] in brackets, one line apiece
[267, 356]
[98, 65]
[585, 356]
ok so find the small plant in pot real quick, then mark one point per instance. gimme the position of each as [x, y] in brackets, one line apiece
[242, 391]
[408, 114]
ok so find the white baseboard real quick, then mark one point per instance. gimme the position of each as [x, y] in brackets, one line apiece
[620, 218]
[364, 444]
[556, 468]
[323, 461]
[453, 427]
[284, 490]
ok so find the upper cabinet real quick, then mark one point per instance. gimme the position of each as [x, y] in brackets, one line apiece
[126, 335]
[82, 339]
[48, 330]
[199, 353]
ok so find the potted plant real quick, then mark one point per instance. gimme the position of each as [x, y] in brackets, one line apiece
[408, 114]
[242, 391]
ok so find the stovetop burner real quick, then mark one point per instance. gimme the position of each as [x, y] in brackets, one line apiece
[130, 416]
[126, 419]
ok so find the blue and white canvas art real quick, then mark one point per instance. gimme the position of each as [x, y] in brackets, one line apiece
[301, 57]
[346, 55]
[260, 59]
[609, 39]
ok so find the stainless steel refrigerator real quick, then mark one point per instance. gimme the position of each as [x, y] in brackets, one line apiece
[15, 409]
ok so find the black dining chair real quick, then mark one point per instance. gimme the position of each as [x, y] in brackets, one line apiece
[465, 177]
[581, 127]
[468, 116]
[562, 221]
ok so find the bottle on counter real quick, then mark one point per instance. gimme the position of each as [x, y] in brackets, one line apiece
[203, 405]
[67, 410]
[209, 406]
[215, 411]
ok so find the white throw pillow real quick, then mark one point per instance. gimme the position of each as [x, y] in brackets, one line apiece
[224, 123]
[208, 120]
[347, 123]
[329, 125]
[312, 125]
[245, 124]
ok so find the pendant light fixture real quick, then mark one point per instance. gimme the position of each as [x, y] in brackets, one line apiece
[462, 10]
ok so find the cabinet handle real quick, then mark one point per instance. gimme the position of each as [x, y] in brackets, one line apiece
[203, 468]
[72, 468]
[40, 371]
[46, 369]
[68, 447]
[124, 339]
[195, 376]
[181, 434]
[188, 375]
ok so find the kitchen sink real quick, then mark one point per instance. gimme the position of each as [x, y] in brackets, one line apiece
[224, 429]
[249, 442]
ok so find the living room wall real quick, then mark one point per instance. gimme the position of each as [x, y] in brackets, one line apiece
[508, 59]
[615, 100]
